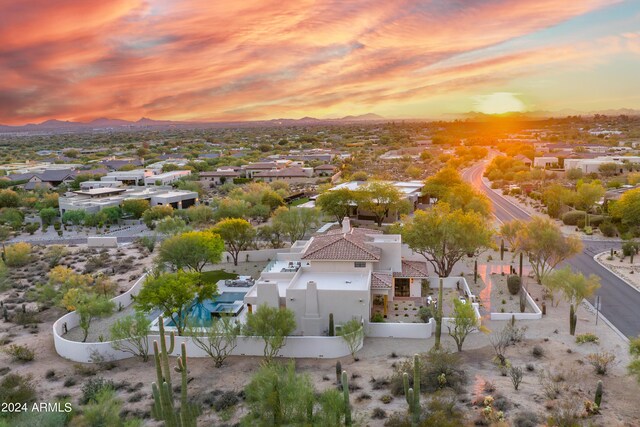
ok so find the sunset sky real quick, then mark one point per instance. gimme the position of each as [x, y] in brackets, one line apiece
[247, 60]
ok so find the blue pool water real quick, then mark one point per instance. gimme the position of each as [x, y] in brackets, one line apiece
[229, 303]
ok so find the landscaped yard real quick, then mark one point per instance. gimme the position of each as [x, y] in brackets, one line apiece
[215, 276]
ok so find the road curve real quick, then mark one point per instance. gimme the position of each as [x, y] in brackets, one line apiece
[620, 303]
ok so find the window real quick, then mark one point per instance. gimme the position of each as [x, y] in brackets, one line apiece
[359, 264]
[402, 287]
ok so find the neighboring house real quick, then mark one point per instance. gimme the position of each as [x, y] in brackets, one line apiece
[524, 159]
[95, 199]
[222, 175]
[166, 178]
[325, 170]
[545, 162]
[294, 175]
[339, 272]
[593, 165]
[253, 168]
[45, 179]
[116, 164]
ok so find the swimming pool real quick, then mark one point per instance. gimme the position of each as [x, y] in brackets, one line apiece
[227, 303]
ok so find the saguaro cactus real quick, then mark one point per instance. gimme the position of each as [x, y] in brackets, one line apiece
[338, 372]
[412, 394]
[332, 330]
[502, 250]
[573, 320]
[598, 398]
[163, 407]
[345, 394]
[475, 271]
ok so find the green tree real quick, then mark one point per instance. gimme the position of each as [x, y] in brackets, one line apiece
[608, 169]
[273, 325]
[174, 293]
[12, 217]
[545, 245]
[238, 234]
[272, 234]
[443, 236]
[200, 215]
[465, 197]
[218, 340]
[556, 197]
[47, 215]
[588, 194]
[155, 213]
[88, 306]
[381, 199]
[439, 185]
[634, 351]
[295, 223]
[9, 199]
[464, 322]
[352, 332]
[135, 207]
[575, 287]
[277, 396]
[111, 214]
[231, 208]
[627, 209]
[74, 217]
[171, 225]
[191, 250]
[337, 203]
[131, 334]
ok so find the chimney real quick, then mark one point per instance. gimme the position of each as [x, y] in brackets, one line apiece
[346, 225]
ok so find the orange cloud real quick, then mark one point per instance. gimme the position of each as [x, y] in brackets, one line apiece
[257, 59]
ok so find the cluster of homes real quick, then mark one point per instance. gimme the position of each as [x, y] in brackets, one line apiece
[115, 187]
[292, 171]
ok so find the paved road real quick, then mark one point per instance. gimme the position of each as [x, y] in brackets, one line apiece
[620, 303]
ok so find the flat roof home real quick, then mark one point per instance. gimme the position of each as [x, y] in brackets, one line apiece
[544, 162]
[593, 165]
[338, 273]
[166, 178]
[95, 199]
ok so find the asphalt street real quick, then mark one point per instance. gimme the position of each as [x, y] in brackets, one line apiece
[619, 302]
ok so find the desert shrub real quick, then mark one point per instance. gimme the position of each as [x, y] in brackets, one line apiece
[607, 229]
[601, 361]
[572, 217]
[425, 313]
[379, 383]
[567, 413]
[443, 411]
[15, 388]
[20, 353]
[228, 399]
[531, 367]
[516, 374]
[18, 254]
[50, 374]
[438, 370]
[513, 284]
[93, 387]
[596, 220]
[70, 382]
[550, 387]
[39, 419]
[588, 337]
[537, 351]
[377, 318]
[398, 419]
[526, 419]
[630, 248]
[386, 399]
[378, 414]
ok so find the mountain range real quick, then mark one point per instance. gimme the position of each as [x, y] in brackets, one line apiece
[106, 124]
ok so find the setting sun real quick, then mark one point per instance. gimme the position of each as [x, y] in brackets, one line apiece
[499, 103]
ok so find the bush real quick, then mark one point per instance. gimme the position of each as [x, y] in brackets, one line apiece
[425, 313]
[537, 351]
[526, 419]
[20, 353]
[629, 248]
[228, 399]
[15, 388]
[513, 284]
[583, 338]
[572, 217]
[70, 382]
[601, 361]
[377, 318]
[378, 414]
[432, 367]
[607, 229]
[93, 387]
[18, 254]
